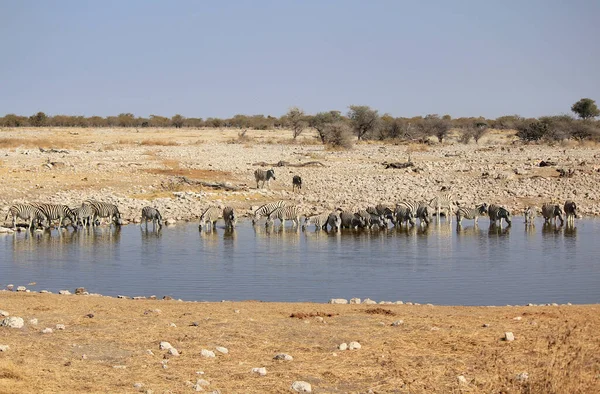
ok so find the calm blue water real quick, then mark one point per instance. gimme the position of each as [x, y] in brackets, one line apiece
[442, 265]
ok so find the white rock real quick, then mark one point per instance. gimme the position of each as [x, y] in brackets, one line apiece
[517, 318]
[355, 300]
[4, 348]
[10, 287]
[207, 353]
[173, 325]
[522, 377]
[138, 385]
[283, 356]
[21, 288]
[165, 346]
[398, 323]
[33, 321]
[400, 302]
[301, 387]
[60, 327]
[149, 352]
[47, 330]
[173, 352]
[343, 346]
[261, 371]
[64, 292]
[509, 336]
[222, 349]
[12, 322]
[4, 313]
[369, 301]
[202, 382]
[338, 301]
[354, 345]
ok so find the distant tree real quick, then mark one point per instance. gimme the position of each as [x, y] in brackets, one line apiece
[12, 120]
[214, 122]
[586, 108]
[194, 123]
[159, 121]
[339, 134]
[363, 120]
[97, 121]
[532, 131]
[38, 120]
[177, 121]
[434, 125]
[480, 128]
[508, 122]
[126, 120]
[322, 120]
[296, 120]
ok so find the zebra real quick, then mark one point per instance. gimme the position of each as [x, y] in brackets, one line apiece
[57, 211]
[296, 183]
[229, 217]
[404, 214]
[376, 217]
[497, 213]
[149, 213]
[351, 220]
[423, 213]
[104, 210]
[386, 212]
[552, 211]
[530, 214]
[334, 221]
[443, 201]
[264, 176]
[570, 211]
[418, 210]
[368, 218]
[471, 213]
[288, 212]
[209, 217]
[266, 209]
[83, 214]
[320, 221]
[25, 212]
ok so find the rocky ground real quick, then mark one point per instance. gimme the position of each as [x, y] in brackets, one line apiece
[85, 343]
[135, 168]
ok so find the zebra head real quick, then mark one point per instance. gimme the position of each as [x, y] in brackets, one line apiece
[482, 208]
[270, 174]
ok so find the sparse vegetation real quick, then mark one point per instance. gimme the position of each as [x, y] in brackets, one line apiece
[363, 120]
[339, 135]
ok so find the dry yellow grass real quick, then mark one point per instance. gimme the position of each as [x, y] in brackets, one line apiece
[557, 346]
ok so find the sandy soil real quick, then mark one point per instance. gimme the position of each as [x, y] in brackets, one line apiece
[137, 168]
[556, 346]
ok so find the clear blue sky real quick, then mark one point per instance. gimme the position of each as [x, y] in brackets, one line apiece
[220, 58]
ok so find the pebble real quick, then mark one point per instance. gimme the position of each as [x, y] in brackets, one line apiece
[4, 348]
[138, 385]
[509, 336]
[47, 330]
[165, 346]
[207, 353]
[222, 349]
[485, 325]
[319, 319]
[80, 291]
[173, 352]
[120, 366]
[33, 322]
[283, 356]
[343, 346]
[121, 296]
[354, 346]
[12, 322]
[10, 287]
[64, 292]
[149, 311]
[60, 327]
[355, 300]
[462, 379]
[301, 387]
[398, 323]
[173, 325]
[4, 313]
[522, 377]
[338, 301]
[150, 352]
[21, 288]
[517, 318]
[369, 301]
[261, 371]
[236, 311]
[200, 383]
[400, 302]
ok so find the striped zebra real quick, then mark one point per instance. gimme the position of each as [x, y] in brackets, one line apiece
[376, 218]
[264, 176]
[404, 214]
[57, 211]
[418, 210]
[367, 218]
[530, 214]
[497, 213]
[351, 220]
[149, 213]
[386, 212]
[265, 210]
[552, 211]
[229, 217]
[423, 213]
[570, 212]
[103, 210]
[471, 213]
[83, 215]
[209, 218]
[288, 212]
[443, 201]
[25, 212]
[320, 221]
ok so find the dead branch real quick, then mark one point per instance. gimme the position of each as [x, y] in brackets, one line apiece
[214, 185]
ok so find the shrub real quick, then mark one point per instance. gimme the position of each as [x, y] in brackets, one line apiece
[364, 120]
[339, 134]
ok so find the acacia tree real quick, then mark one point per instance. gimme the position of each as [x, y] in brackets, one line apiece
[38, 120]
[177, 121]
[296, 120]
[322, 121]
[434, 125]
[363, 119]
[586, 108]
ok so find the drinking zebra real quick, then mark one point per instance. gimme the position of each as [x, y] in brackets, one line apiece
[25, 212]
[570, 212]
[418, 210]
[530, 214]
[376, 218]
[288, 212]
[386, 212]
[423, 213]
[57, 211]
[266, 209]
[209, 218]
[497, 213]
[104, 210]
[83, 214]
[552, 211]
[264, 176]
[443, 201]
[296, 183]
[471, 213]
[149, 213]
[229, 217]
[351, 220]
[320, 221]
[404, 214]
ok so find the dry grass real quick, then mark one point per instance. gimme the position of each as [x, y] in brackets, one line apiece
[557, 346]
[158, 142]
[57, 143]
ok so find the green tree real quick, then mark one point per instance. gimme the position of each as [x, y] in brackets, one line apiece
[296, 120]
[586, 108]
[38, 120]
[126, 120]
[363, 119]
[436, 126]
[322, 120]
[177, 121]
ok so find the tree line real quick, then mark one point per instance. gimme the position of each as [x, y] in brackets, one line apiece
[360, 122]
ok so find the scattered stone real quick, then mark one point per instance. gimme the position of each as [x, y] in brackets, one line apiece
[137, 298]
[167, 298]
[319, 319]
[301, 387]
[12, 322]
[369, 301]
[152, 297]
[60, 327]
[47, 330]
[236, 311]
[138, 385]
[462, 379]
[408, 303]
[64, 292]
[338, 301]
[83, 357]
[400, 302]
[89, 315]
[121, 296]
[195, 324]
[485, 325]
[202, 382]
[4, 313]
[165, 346]
[21, 288]
[207, 353]
[517, 318]
[33, 322]
[222, 349]
[522, 377]
[355, 300]
[354, 346]
[173, 352]
[343, 346]
[45, 292]
[120, 366]
[80, 291]
[283, 356]
[398, 323]
[261, 371]
[149, 352]
[4, 348]
[509, 336]
[435, 328]
[149, 311]
[10, 287]
[173, 325]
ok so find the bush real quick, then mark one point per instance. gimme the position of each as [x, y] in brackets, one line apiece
[436, 126]
[339, 134]
[533, 131]
[586, 108]
[364, 120]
